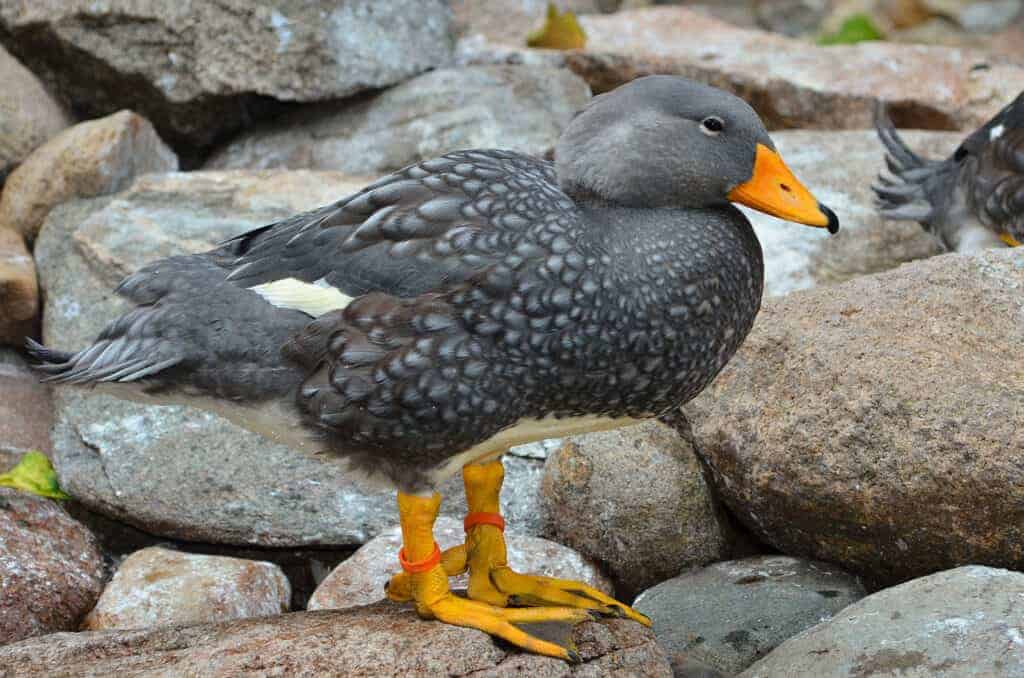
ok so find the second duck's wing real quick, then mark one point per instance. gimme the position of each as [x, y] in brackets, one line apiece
[996, 180]
[429, 225]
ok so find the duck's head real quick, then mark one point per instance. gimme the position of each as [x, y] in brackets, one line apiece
[664, 141]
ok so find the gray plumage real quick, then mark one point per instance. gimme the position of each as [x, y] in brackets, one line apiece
[489, 287]
[969, 200]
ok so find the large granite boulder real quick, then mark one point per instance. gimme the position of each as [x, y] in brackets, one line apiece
[199, 70]
[28, 114]
[51, 572]
[963, 623]
[876, 423]
[91, 158]
[160, 587]
[521, 108]
[360, 579]
[727, 615]
[635, 500]
[382, 639]
[179, 472]
[805, 86]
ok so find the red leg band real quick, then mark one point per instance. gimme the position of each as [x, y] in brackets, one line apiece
[424, 565]
[482, 518]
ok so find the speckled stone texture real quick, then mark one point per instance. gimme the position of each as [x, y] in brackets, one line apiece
[360, 580]
[51, 572]
[28, 114]
[381, 639]
[807, 85]
[520, 108]
[634, 500]
[876, 424]
[199, 70]
[183, 473]
[728, 615]
[92, 158]
[160, 587]
[963, 623]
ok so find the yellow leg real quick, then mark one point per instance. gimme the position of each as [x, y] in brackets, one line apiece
[429, 589]
[490, 578]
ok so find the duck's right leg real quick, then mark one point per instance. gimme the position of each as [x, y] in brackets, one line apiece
[427, 581]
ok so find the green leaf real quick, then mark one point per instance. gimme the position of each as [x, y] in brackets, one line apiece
[560, 31]
[856, 28]
[34, 474]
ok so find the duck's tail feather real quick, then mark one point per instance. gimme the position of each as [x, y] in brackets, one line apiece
[191, 332]
[909, 194]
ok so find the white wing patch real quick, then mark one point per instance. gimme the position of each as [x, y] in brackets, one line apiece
[313, 299]
[996, 132]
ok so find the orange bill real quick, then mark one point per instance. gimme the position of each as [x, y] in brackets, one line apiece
[1009, 240]
[774, 190]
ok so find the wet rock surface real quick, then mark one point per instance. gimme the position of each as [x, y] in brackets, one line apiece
[160, 587]
[868, 423]
[360, 580]
[381, 639]
[520, 108]
[635, 501]
[199, 71]
[729, 614]
[964, 622]
[51, 572]
[182, 473]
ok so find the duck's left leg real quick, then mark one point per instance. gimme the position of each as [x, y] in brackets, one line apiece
[490, 578]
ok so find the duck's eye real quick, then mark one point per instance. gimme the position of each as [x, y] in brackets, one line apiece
[712, 125]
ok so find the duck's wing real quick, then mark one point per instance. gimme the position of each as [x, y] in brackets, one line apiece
[429, 225]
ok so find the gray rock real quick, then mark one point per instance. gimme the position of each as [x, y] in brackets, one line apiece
[521, 108]
[199, 70]
[963, 623]
[874, 424]
[728, 615]
[839, 168]
[381, 639]
[360, 580]
[807, 85]
[26, 410]
[634, 500]
[178, 472]
[28, 114]
[160, 587]
[51, 572]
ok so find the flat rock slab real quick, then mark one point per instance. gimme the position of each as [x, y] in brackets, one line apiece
[792, 83]
[727, 615]
[199, 70]
[875, 424]
[360, 579]
[520, 108]
[962, 623]
[51, 571]
[182, 473]
[382, 639]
